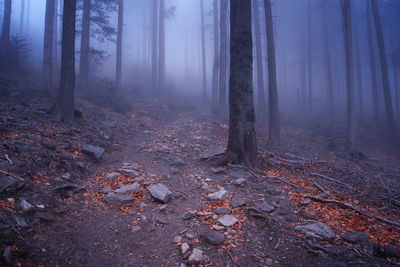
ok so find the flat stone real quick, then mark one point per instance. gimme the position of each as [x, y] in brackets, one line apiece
[218, 170]
[237, 202]
[6, 182]
[7, 255]
[184, 248]
[136, 228]
[105, 190]
[26, 206]
[227, 220]
[183, 265]
[222, 210]
[177, 161]
[211, 152]
[213, 237]
[284, 207]
[268, 262]
[203, 186]
[113, 175]
[238, 174]
[127, 189]
[21, 222]
[160, 192]
[188, 215]
[218, 228]
[196, 256]
[220, 194]
[45, 216]
[117, 200]
[177, 239]
[266, 207]
[110, 124]
[95, 152]
[357, 237]
[317, 230]
[239, 181]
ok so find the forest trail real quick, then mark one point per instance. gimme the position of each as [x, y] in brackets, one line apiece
[163, 142]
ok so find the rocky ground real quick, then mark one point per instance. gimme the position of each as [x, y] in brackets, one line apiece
[140, 189]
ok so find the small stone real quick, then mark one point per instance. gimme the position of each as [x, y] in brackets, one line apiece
[190, 236]
[284, 207]
[305, 202]
[227, 220]
[177, 239]
[188, 215]
[239, 181]
[136, 228]
[317, 230]
[7, 255]
[266, 207]
[203, 186]
[268, 261]
[6, 182]
[219, 195]
[177, 161]
[128, 189]
[218, 170]
[66, 176]
[237, 202]
[240, 174]
[160, 192]
[183, 265]
[213, 237]
[211, 152]
[21, 222]
[45, 216]
[105, 190]
[357, 237]
[228, 236]
[184, 248]
[113, 175]
[117, 200]
[196, 257]
[231, 231]
[95, 152]
[218, 228]
[222, 210]
[292, 218]
[26, 206]
[215, 216]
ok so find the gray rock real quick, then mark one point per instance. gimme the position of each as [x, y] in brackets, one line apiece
[127, 189]
[268, 262]
[113, 175]
[203, 186]
[292, 218]
[177, 161]
[160, 192]
[26, 206]
[185, 248]
[218, 170]
[177, 239]
[7, 255]
[93, 151]
[220, 194]
[6, 182]
[45, 216]
[136, 228]
[317, 230]
[240, 174]
[66, 176]
[239, 181]
[227, 220]
[284, 207]
[215, 216]
[266, 207]
[222, 210]
[188, 215]
[237, 202]
[21, 222]
[211, 152]
[105, 190]
[213, 237]
[357, 237]
[110, 124]
[231, 231]
[196, 256]
[64, 190]
[183, 265]
[218, 228]
[117, 200]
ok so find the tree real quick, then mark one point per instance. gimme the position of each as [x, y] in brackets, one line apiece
[161, 46]
[384, 72]
[360, 89]
[203, 48]
[47, 70]
[310, 69]
[216, 60]
[259, 60]
[22, 18]
[328, 66]
[5, 34]
[242, 143]
[223, 58]
[274, 121]
[154, 45]
[64, 105]
[348, 35]
[85, 46]
[119, 43]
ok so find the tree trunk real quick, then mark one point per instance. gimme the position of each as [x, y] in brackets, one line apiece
[48, 43]
[360, 92]
[274, 121]
[28, 14]
[118, 69]
[55, 41]
[5, 34]
[223, 58]
[65, 100]
[154, 46]
[216, 60]
[22, 18]
[203, 49]
[242, 143]
[348, 35]
[161, 44]
[384, 72]
[328, 66]
[85, 46]
[259, 59]
[310, 70]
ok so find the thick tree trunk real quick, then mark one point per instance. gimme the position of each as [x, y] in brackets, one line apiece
[374, 80]
[259, 59]
[222, 109]
[5, 34]
[22, 18]
[55, 41]
[154, 46]
[118, 69]
[328, 67]
[85, 46]
[47, 70]
[203, 49]
[348, 35]
[161, 44]
[360, 90]
[242, 143]
[310, 69]
[384, 72]
[215, 74]
[64, 105]
[274, 121]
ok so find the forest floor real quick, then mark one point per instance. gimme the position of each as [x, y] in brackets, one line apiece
[304, 206]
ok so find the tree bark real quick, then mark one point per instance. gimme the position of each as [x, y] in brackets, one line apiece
[64, 105]
[161, 44]
[203, 49]
[47, 70]
[154, 46]
[360, 91]
[310, 69]
[118, 69]
[85, 46]
[223, 58]
[259, 59]
[214, 107]
[5, 34]
[274, 121]
[348, 35]
[242, 143]
[55, 41]
[328, 66]
[384, 72]
[22, 18]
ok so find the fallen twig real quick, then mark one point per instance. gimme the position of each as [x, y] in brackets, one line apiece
[351, 206]
[11, 174]
[320, 187]
[8, 159]
[332, 179]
